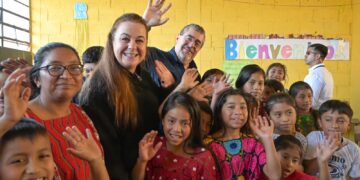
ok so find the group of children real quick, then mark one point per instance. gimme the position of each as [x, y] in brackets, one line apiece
[244, 135]
[250, 137]
[238, 142]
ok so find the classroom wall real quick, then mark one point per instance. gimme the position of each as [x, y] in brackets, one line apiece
[355, 60]
[53, 21]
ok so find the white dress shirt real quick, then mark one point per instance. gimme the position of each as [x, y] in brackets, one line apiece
[322, 84]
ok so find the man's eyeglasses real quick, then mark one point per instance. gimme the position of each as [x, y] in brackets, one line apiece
[197, 43]
[309, 52]
[58, 70]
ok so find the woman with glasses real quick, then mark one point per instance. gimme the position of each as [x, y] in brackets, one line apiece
[120, 96]
[56, 77]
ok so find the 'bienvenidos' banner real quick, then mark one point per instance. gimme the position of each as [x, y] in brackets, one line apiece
[282, 48]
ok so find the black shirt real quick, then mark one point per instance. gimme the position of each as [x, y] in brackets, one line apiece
[121, 145]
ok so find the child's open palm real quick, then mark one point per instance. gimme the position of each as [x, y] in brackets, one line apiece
[222, 85]
[262, 127]
[16, 97]
[147, 150]
[326, 148]
[188, 79]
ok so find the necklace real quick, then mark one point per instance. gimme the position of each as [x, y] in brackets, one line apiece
[234, 147]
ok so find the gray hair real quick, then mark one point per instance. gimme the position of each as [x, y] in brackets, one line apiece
[196, 27]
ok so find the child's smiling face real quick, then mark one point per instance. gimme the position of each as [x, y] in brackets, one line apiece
[333, 122]
[177, 126]
[25, 158]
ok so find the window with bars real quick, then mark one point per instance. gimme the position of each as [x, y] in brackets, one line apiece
[15, 24]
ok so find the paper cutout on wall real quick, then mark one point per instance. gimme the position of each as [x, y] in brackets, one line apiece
[233, 68]
[282, 48]
[80, 9]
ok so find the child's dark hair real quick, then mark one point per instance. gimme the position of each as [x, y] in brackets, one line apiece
[297, 86]
[186, 101]
[279, 98]
[321, 49]
[211, 72]
[288, 141]
[275, 85]
[252, 105]
[282, 66]
[221, 100]
[341, 107]
[246, 73]
[205, 107]
[92, 54]
[25, 128]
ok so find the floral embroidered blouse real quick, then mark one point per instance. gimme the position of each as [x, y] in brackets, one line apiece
[242, 158]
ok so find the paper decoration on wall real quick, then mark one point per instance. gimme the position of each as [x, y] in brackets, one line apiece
[80, 9]
[233, 68]
[282, 48]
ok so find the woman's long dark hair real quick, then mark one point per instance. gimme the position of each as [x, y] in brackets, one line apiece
[112, 78]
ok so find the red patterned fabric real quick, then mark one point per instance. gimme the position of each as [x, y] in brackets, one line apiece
[247, 164]
[69, 166]
[167, 165]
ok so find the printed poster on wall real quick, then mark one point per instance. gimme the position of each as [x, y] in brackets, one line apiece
[282, 48]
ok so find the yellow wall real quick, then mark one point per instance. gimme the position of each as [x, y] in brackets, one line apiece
[53, 21]
[355, 60]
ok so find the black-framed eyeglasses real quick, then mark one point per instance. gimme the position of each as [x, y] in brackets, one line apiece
[58, 70]
[309, 52]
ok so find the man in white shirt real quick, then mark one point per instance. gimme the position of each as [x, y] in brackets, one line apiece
[319, 78]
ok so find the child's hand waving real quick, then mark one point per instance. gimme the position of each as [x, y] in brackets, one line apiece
[188, 79]
[262, 127]
[15, 98]
[323, 153]
[326, 148]
[147, 150]
[222, 85]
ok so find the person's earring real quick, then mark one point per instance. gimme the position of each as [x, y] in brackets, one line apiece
[38, 85]
[37, 82]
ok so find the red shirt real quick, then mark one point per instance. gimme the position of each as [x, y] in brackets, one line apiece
[167, 165]
[300, 176]
[69, 166]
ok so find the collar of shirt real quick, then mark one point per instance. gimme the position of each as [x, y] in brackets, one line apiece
[178, 62]
[316, 66]
[136, 76]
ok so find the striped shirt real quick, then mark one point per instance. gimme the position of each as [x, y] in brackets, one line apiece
[69, 166]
